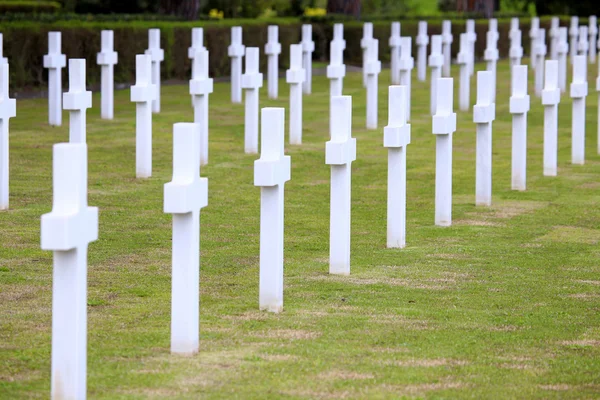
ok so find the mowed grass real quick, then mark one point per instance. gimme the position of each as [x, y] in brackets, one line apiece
[503, 304]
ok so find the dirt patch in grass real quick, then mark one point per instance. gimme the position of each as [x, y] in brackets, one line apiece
[279, 357]
[288, 334]
[582, 343]
[584, 296]
[428, 284]
[401, 320]
[572, 234]
[345, 375]
[476, 222]
[430, 363]
[588, 282]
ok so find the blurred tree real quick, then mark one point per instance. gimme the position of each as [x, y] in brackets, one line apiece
[188, 9]
[347, 7]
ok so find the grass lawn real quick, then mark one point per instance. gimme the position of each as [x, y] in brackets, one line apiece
[503, 304]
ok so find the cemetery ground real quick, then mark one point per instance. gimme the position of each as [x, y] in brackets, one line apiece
[503, 304]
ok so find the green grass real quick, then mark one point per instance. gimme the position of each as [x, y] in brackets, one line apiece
[503, 304]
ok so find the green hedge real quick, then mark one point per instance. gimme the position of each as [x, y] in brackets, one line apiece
[27, 7]
[26, 43]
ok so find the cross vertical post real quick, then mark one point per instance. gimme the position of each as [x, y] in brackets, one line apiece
[107, 59]
[396, 137]
[550, 100]
[373, 69]
[184, 197]
[157, 55]
[436, 61]
[540, 56]
[200, 88]
[472, 36]
[516, 49]
[76, 101]
[308, 47]
[295, 76]
[422, 42]
[252, 80]
[579, 91]
[573, 34]
[54, 61]
[236, 51]
[143, 93]
[395, 53]
[447, 40]
[67, 231]
[364, 45]
[444, 125]
[271, 172]
[484, 113]
[463, 59]
[491, 57]
[8, 109]
[593, 34]
[272, 50]
[336, 71]
[553, 34]
[533, 37]
[519, 106]
[197, 43]
[562, 49]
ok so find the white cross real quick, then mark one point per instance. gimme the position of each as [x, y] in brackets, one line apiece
[236, 51]
[583, 46]
[593, 33]
[598, 91]
[573, 33]
[553, 34]
[364, 45]
[406, 66]
[491, 57]
[107, 59]
[519, 106]
[200, 87]
[514, 27]
[550, 100]
[422, 42]
[197, 43]
[184, 197]
[396, 137]
[395, 53]
[493, 27]
[444, 125]
[252, 80]
[143, 93]
[447, 40]
[308, 47]
[338, 35]
[157, 55]
[295, 76]
[533, 37]
[516, 49]
[562, 49]
[579, 91]
[373, 69]
[463, 59]
[67, 231]
[340, 151]
[436, 61]
[55, 62]
[8, 109]
[472, 36]
[272, 50]
[336, 71]
[484, 112]
[540, 56]
[76, 101]
[271, 172]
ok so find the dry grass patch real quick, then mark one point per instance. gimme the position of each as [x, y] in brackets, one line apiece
[345, 375]
[288, 334]
[584, 296]
[477, 222]
[430, 363]
[572, 234]
[427, 284]
[583, 343]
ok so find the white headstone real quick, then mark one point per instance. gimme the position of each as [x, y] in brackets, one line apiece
[200, 88]
[373, 69]
[553, 33]
[447, 40]
[422, 42]
[107, 59]
[67, 231]
[271, 172]
[463, 59]
[184, 197]
[491, 58]
[573, 34]
[516, 48]
[472, 36]
[55, 62]
[364, 45]
[295, 76]
[395, 53]
[550, 100]
[308, 47]
[252, 80]
[8, 109]
[143, 93]
[236, 51]
[340, 151]
[77, 100]
[519, 107]
[533, 36]
[582, 44]
[157, 55]
[197, 43]
[540, 57]
[484, 112]
[396, 136]
[436, 61]
[272, 50]
[562, 49]
[407, 64]
[444, 125]
[579, 91]
[593, 33]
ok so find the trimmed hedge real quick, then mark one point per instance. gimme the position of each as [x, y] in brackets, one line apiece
[25, 45]
[29, 6]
